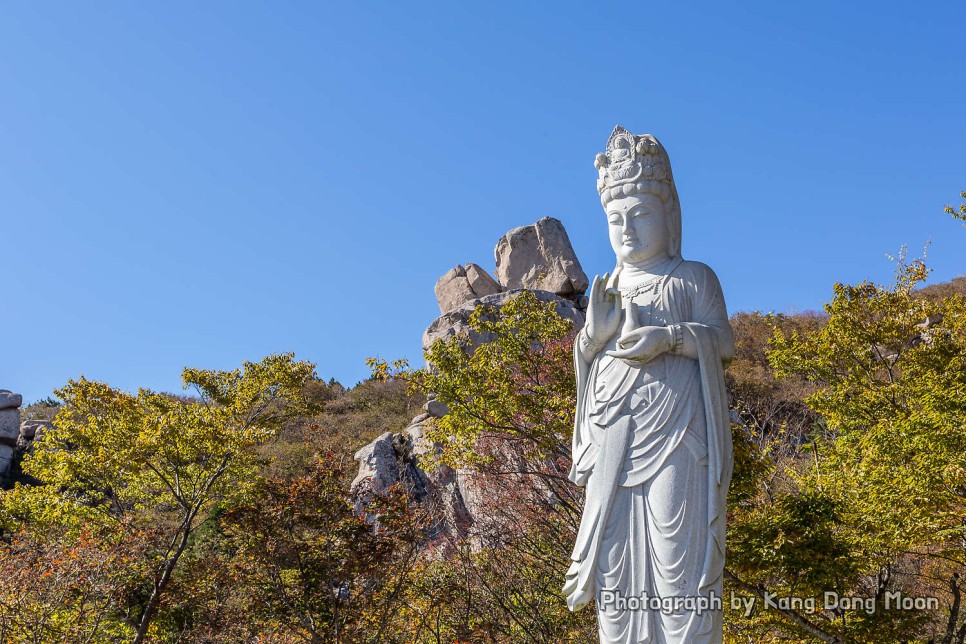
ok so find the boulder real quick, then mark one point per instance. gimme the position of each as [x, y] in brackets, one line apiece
[436, 408]
[421, 447]
[540, 257]
[9, 426]
[463, 284]
[424, 416]
[377, 465]
[31, 429]
[10, 400]
[456, 321]
[408, 458]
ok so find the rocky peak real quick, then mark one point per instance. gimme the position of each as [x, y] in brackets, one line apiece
[461, 284]
[540, 257]
[537, 258]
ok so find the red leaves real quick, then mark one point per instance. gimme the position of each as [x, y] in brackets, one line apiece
[59, 586]
[310, 562]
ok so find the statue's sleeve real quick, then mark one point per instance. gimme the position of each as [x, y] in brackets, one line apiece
[708, 309]
[584, 448]
[714, 344]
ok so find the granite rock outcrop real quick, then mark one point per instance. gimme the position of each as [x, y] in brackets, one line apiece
[540, 257]
[537, 258]
[463, 284]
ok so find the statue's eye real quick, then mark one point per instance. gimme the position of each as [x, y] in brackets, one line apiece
[615, 220]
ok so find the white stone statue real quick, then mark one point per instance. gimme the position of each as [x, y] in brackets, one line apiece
[652, 439]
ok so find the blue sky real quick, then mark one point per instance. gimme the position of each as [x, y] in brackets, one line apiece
[204, 183]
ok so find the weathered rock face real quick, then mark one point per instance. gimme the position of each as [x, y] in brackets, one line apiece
[541, 257]
[460, 285]
[10, 400]
[451, 515]
[31, 430]
[16, 437]
[378, 469]
[456, 321]
[401, 458]
[9, 427]
[9, 417]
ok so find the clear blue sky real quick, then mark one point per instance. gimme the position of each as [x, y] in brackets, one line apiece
[198, 184]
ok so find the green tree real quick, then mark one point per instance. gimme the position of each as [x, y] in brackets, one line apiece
[153, 459]
[510, 389]
[518, 382]
[889, 466]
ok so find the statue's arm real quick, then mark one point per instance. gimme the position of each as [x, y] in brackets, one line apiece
[584, 452]
[709, 311]
[587, 349]
[688, 347]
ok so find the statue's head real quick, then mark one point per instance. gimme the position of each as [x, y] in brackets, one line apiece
[638, 194]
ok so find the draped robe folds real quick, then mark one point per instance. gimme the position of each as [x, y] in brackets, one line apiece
[652, 445]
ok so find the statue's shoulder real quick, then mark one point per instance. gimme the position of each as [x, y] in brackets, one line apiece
[693, 272]
[699, 284]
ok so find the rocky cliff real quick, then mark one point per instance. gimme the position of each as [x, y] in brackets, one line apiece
[538, 258]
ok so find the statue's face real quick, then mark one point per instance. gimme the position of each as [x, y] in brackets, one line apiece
[638, 228]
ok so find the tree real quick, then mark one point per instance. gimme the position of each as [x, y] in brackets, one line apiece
[71, 588]
[960, 212]
[884, 493]
[518, 384]
[153, 459]
[511, 401]
[316, 570]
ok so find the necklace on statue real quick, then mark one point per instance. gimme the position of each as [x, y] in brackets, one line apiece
[652, 283]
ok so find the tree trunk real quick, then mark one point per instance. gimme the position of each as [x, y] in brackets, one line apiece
[155, 599]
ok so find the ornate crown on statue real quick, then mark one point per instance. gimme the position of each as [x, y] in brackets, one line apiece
[633, 164]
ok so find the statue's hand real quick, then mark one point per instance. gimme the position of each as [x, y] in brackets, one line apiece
[603, 311]
[643, 344]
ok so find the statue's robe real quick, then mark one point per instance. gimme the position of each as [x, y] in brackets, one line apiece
[652, 445]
